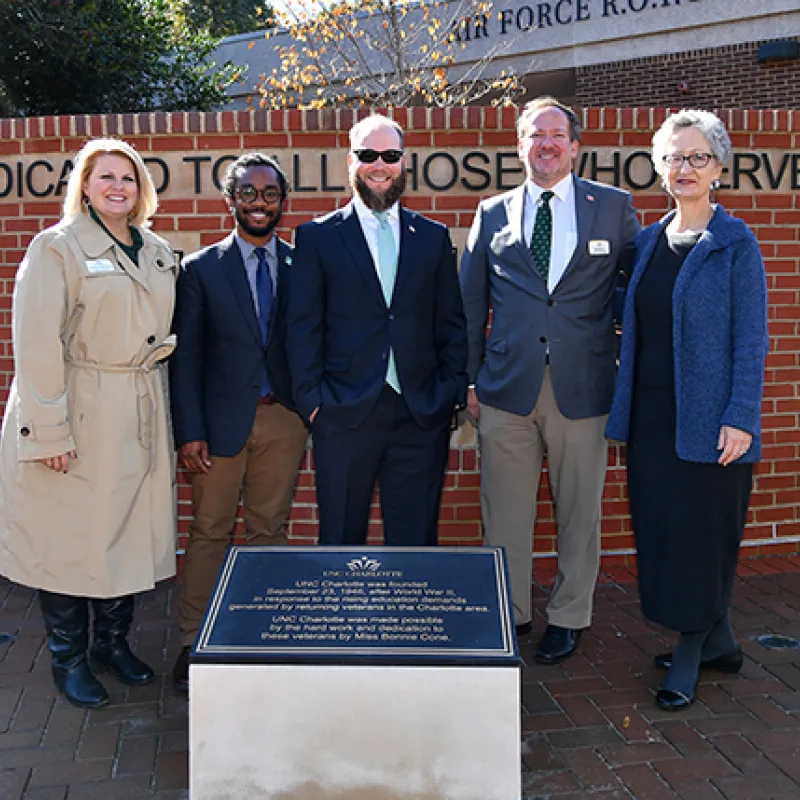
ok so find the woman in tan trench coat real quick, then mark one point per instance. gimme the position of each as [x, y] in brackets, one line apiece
[86, 461]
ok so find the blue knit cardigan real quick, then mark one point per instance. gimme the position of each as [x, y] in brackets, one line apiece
[719, 337]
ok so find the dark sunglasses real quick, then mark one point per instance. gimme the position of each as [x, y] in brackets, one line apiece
[249, 194]
[367, 155]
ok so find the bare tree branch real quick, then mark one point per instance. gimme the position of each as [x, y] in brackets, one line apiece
[385, 53]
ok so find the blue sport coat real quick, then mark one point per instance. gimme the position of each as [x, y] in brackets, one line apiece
[719, 337]
[216, 370]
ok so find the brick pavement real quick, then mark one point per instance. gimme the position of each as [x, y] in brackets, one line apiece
[590, 726]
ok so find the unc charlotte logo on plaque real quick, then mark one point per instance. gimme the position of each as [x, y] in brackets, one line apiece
[363, 605]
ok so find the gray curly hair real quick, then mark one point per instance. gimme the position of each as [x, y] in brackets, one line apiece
[710, 125]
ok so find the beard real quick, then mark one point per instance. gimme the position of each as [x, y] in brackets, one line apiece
[265, 229]
[379, 201]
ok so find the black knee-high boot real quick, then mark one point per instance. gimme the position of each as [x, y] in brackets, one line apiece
[66, 619]
[110, 650]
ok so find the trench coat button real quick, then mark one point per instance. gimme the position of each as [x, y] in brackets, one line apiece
[159, 262]
[25, 431]
[543, 339]
[151, 340]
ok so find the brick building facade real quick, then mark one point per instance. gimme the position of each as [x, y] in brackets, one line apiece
[715, 77]
[457, 156]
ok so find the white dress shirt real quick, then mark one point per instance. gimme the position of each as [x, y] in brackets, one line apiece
[250, 259]
[565, 224]
[369, 225]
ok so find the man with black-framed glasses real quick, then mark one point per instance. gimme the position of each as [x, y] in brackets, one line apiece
[235, 425]
[377, 349]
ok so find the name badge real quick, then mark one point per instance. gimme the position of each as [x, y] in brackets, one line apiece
[599, 247]
[100, 265]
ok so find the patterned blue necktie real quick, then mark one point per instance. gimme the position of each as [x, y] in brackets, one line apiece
[542, 235]
[264, 292]
[387, 270]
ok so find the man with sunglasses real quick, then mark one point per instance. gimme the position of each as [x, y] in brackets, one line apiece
[377, 349]
[235, 425]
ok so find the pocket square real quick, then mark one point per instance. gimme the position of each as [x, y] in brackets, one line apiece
[499, 271]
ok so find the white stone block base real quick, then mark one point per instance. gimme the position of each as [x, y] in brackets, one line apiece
[327, 732]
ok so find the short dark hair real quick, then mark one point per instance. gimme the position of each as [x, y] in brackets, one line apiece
[253, 160]
[546, 101]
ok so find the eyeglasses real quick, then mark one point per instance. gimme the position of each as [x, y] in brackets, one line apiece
[249, 194]
[367, 155]
[675, 161]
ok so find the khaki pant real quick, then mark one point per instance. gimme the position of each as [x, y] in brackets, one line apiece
[264, 474]
[512, 449]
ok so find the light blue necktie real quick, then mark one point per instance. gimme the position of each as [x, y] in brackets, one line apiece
[387, 269]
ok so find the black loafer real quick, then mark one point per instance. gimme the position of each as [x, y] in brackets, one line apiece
[673, 700]
[180, 672]
[727, 662]
[524, 628]
[556, 644]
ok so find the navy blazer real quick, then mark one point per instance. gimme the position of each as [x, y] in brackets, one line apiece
[339, 328]
[216, 370]
[719, 337]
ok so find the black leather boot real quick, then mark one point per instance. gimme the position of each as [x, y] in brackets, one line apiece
[66, 619]
[110, 650]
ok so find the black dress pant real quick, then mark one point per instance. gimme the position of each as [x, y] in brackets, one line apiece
[406, 461]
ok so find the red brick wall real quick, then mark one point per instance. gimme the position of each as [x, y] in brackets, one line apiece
[188, 220]
[729, 77]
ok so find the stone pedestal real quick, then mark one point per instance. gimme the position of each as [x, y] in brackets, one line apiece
[357, 674]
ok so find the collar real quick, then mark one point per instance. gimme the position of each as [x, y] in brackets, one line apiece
[136, 236]
[93, 239]
[247, 249]
[365, 214]
[562, 190]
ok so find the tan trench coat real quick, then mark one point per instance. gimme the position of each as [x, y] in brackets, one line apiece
[89, 329]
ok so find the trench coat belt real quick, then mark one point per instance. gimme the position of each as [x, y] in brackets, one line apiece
[145, 387]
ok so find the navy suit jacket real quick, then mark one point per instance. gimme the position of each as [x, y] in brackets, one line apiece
[339, 328]
[216, 370]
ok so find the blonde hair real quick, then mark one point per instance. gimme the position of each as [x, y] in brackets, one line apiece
[147, 202]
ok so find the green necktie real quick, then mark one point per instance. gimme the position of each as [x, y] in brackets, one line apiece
[387, 270]
[542, 236]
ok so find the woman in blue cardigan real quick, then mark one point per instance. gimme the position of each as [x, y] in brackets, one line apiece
[688, 402]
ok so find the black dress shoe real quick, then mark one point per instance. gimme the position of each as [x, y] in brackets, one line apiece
[557, 644]
[524, 628]
[673, 700]
[180, 672]
[727, 662]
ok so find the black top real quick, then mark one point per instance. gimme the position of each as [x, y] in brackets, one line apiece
[655, 364]
[130, 250]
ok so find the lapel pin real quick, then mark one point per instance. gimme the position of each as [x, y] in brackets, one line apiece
[590, 198]
[412, 229]
[288, 260]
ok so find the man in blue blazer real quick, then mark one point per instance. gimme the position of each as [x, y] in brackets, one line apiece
[377, 349]
[544, 256]
[235, 425]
